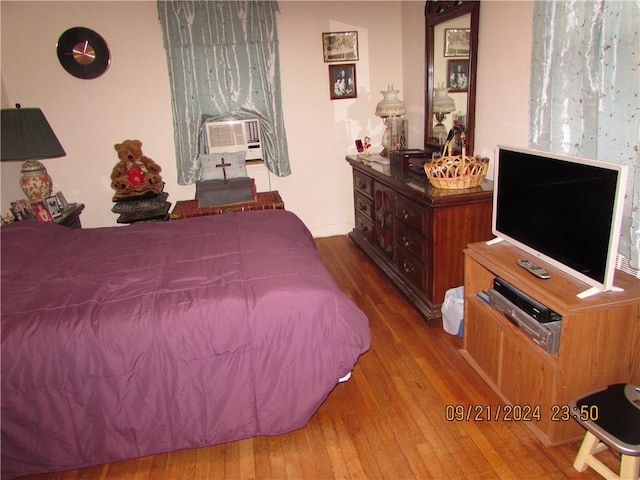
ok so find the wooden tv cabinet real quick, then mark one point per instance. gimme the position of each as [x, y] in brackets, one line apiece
[415, 232]
[598, 342]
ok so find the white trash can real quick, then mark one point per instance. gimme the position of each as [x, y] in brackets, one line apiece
[453, 311]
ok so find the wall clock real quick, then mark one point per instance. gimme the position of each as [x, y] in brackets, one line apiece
[83, 53]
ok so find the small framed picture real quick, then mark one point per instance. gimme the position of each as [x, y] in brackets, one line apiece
[458, 75]
[41, 212]
[342, 81]
[53, 206]
[62, 201]
[340, 46]
[457, 42]
[22, 210]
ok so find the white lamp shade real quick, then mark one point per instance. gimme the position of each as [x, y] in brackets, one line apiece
[390, 105]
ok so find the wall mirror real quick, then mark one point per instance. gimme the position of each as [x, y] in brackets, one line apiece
[451, 51]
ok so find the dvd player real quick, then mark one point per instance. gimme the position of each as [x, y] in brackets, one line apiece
[535, 309]
[547, 335]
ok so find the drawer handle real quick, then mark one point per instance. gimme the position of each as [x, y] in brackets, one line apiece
[407, 241]
[362, 206]
[363, 228]
[408, 268]
[362, 185]
[408, 214]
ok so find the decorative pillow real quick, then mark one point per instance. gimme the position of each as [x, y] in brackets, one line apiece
[211, 166]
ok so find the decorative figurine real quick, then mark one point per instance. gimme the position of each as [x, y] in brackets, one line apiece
[367, 145]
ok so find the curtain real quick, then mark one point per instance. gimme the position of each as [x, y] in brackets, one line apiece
[585, 91]
[223, 59]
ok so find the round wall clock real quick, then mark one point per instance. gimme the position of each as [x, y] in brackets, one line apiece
[83, 53]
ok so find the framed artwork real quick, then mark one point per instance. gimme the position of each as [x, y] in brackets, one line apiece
[342, 81]
[62, 201]
[340, 46]
[457, 42]
[54, 207]
[458, 75]
[41, 212]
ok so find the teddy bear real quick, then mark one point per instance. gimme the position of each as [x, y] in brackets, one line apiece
[135, 175]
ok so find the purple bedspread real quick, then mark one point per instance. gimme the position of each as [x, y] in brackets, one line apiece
[128, 341]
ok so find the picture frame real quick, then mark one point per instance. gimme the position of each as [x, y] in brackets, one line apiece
[340, 46]
[342, 81]
[41, 212]
[54, 207]
[458, 75]
[21, 210]
[457, 42]
[62, 201]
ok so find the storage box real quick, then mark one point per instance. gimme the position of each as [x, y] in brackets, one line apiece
[222, 192]
[403, 161]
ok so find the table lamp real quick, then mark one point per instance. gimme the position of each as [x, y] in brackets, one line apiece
[27, 135]
[442, 104]
[391, 109]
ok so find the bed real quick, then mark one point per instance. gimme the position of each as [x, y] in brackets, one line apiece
[122, 342]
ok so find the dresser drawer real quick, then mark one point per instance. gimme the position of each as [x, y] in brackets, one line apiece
[411, 269]
[413, 242]
[412, 214]
[363, 205]
[364, 226]
[363, 184]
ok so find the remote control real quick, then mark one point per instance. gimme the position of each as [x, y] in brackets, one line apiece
[533, 268]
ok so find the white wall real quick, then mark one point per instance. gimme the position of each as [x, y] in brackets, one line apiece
[132, 100]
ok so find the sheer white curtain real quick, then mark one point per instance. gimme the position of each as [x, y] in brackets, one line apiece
[223, 59]
[585, 91]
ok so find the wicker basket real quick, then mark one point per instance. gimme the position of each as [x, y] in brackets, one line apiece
[456, 171]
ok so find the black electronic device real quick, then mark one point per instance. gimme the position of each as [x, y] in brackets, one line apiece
[547, 335]
[563, 210]
[524, 302]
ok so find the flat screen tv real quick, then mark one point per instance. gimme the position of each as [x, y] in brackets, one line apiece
[561, 209]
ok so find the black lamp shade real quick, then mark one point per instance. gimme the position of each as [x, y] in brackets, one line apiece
[27, 135]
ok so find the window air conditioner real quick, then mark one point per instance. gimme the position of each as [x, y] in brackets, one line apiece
[234, 135]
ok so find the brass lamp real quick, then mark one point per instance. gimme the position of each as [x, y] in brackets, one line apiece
[442, 104]
[391, 109]
[27, 135]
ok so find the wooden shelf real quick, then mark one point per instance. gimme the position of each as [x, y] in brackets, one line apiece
[598, 340]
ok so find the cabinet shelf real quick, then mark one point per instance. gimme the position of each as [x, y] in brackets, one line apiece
[598, 339]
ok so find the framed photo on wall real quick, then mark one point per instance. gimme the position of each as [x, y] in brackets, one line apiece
[457, 42]
[342, 81]
[458, 75]
[340, 46]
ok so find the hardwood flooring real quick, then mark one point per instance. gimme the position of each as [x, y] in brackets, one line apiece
[387, 422]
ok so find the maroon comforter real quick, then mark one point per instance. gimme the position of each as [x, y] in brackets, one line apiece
[127, 341]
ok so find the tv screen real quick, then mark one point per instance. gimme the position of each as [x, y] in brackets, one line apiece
[562, 209]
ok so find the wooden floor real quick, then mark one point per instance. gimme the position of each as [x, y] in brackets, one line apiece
[387, 422]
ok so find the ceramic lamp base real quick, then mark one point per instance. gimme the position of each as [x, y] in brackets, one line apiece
[35, 182]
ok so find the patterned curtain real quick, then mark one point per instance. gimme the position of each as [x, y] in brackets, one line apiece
[223, 59]
[585, 91]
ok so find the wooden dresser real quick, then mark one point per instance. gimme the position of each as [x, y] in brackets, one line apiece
[417, 233]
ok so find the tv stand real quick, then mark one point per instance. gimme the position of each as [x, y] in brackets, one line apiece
[598, 340]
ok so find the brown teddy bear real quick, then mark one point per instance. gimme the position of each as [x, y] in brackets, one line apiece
[135, 175]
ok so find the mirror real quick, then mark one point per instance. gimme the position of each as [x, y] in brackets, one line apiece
[451, 50]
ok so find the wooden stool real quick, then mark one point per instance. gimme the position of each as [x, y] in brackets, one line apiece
[612, 419]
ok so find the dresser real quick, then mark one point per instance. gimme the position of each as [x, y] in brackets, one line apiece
[417, 233]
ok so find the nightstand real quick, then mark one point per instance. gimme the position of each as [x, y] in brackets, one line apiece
[71, 216]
